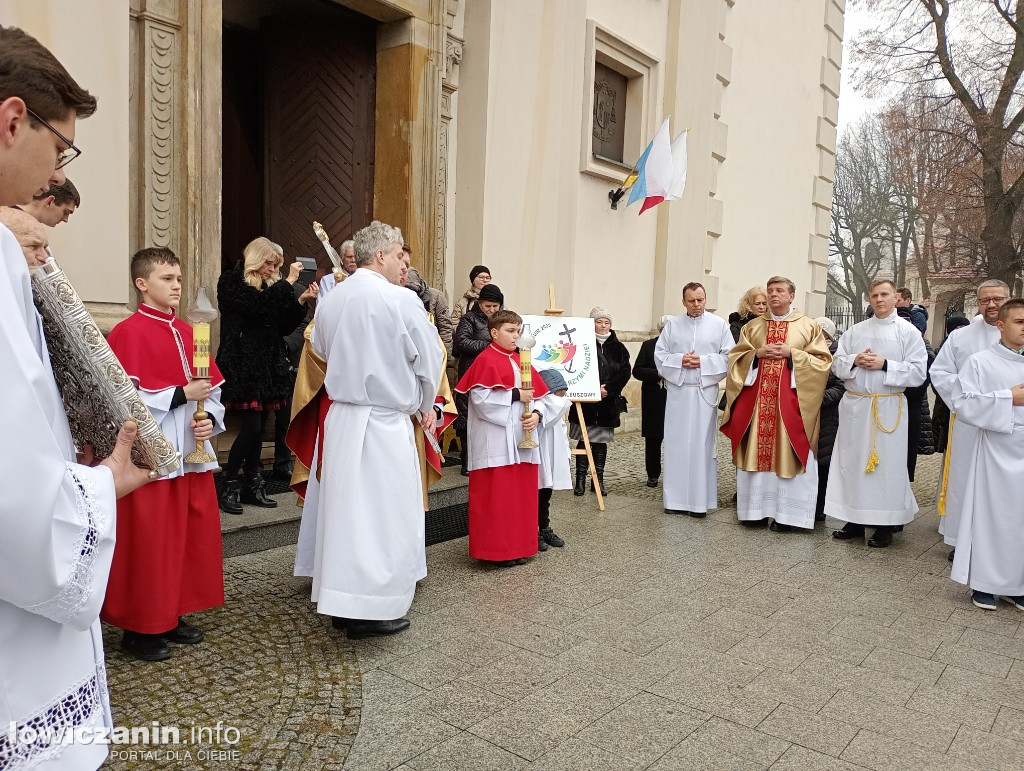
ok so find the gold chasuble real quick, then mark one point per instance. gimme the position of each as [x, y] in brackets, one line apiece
[310, 404]
[772, 426]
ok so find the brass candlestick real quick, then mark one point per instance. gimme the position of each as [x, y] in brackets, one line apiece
[201, 314]
[526, 342]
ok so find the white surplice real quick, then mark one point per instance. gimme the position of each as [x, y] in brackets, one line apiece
[990, 545]
[882, 496]
[691, 408]
[305, 549]
[58, 523]
[961, 345]
[553, 439]
[383, 365]
[495, 427]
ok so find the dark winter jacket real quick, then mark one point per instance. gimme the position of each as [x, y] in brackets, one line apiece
[613, 370]
[920, 439]
[919, 317]
[471, 339]
[834, 390]
[652, 392]
[435, 303]
[252, 351]
[737, 322]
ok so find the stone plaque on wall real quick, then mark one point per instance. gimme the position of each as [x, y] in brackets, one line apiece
[609, 119]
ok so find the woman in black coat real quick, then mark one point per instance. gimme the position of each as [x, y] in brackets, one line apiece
[602, 418]
[652, 405]
[753, 303]
[940, 414]
[829, 417]
[471, 338]
[257, 311]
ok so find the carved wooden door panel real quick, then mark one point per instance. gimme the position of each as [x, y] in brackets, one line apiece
[319, 79]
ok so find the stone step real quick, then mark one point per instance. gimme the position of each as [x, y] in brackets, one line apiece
[259, 529]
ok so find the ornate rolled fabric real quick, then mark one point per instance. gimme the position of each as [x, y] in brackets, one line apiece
[98, 395]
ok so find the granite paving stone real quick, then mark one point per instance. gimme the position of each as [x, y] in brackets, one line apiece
[932, 732]
[807, 729]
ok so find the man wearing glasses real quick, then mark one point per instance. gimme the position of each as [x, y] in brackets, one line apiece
[56, 515]
[981, 334]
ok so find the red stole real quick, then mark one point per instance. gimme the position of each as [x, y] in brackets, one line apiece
[493, 368]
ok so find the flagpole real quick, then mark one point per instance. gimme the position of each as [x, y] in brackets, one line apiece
[616, 195]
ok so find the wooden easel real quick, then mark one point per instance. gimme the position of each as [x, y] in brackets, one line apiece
[553, 311]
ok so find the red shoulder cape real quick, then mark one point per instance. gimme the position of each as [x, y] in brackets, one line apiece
[155, 349]
[491, 369]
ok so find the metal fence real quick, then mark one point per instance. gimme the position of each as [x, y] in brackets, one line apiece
[844, 318]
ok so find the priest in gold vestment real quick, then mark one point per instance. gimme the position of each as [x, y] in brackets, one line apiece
[777, 375]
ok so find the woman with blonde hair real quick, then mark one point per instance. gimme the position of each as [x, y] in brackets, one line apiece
[258, 309]
[753, 303]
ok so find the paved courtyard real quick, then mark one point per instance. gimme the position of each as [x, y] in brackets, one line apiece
[650, 641]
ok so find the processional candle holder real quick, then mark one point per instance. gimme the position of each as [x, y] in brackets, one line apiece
[201, 314]
[526, 342]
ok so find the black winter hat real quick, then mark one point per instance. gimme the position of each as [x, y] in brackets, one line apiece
[491, 293]
[477, 270]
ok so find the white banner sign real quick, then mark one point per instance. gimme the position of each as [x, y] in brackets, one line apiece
[570, 345]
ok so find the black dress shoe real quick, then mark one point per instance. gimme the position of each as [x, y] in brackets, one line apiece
[849, 532]
[542, 545]
[753, 522]
[506, 563]
[881, 538]
[680, 512]
[652, 482]
[339, 622]
[522, 560]
[358, 629]
[147, 647]
[819, 516]
[952, 554]
[282, 473]
[184, 634]
[778, 527]
[550, 538]
[697, 514]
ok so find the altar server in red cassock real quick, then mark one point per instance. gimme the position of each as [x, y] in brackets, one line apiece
[167, 558]
[503, 478]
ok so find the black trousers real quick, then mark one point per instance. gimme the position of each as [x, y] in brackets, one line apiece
[248, 444]
[823, 466]
[544, 507]
[652, 456]
[282, 419]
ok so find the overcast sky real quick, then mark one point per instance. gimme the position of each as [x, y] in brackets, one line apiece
[851, 104]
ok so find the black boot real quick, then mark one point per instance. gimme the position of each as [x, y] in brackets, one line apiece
[465, 459]
[582, 470]
[600, 452]
[230, 496]
[255, 493]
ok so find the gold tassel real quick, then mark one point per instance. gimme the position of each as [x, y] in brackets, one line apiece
[872, 462]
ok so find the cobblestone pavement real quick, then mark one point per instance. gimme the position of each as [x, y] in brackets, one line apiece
[269, 667]
[650, 641]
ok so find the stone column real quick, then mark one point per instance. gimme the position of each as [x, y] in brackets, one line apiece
[407, 156]
[175, 104]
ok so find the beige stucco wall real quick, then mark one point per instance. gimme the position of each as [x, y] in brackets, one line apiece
[746, 78]
[773, 107]
[91, 41]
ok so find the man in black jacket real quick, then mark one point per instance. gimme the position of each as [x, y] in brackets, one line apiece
[834, 390]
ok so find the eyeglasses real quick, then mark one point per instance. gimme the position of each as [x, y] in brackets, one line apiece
[67, 155]
[992, 301]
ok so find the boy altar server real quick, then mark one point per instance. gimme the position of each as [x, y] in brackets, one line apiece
[555, 473]
[503, 479]
[168, 561]
[989, 395]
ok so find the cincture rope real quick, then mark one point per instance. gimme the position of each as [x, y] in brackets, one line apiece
[876, 424]
[945, 465]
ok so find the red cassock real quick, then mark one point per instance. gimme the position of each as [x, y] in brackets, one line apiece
[502, 499]
[168, 558]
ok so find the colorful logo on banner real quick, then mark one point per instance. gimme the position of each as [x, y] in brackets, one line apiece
[570, 345]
